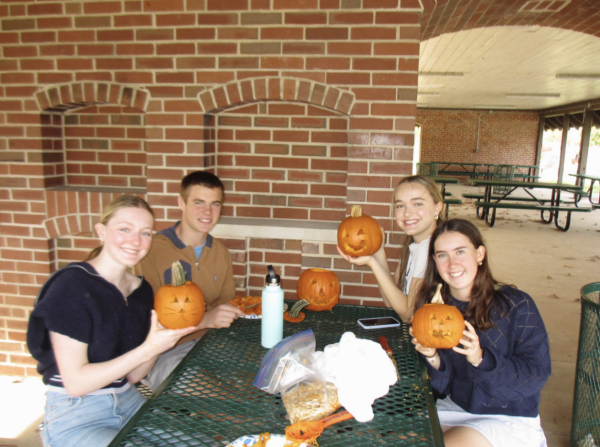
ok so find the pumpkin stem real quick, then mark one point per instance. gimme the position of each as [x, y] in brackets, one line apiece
[437, 297]
[177, 274]
[296, 308]
[356, 211]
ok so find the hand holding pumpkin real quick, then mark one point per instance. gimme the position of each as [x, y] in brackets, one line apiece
[438, 325]
[360, 260]
[160, 339]
[427, 352]
[470, 343]
[359, 234]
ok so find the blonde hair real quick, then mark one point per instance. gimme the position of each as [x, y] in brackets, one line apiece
[124, 201]
[431, 187]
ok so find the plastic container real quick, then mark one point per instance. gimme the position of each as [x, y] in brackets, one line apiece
[272, 310]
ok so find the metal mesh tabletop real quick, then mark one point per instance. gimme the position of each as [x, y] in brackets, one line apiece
[210, 399]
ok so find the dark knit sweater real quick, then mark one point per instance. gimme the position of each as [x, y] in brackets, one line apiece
[77, 302]
[515, 367]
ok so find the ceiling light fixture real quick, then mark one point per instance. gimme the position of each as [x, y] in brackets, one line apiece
[447, 74]
[533, 95]
[578, 75]
[428, 93]
[494, 106]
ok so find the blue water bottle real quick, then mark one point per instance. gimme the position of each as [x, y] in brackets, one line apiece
[272, 311]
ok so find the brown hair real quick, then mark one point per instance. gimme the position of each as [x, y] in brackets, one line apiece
[124, 201]
[429, 184]
[202, 178]
[484, 293]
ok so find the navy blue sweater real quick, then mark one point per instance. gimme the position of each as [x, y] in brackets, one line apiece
[79, 303]
[515, 367]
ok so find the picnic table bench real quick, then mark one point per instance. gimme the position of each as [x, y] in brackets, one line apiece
[487, 205]
[581, 178]
[481, 196]
[490, 218]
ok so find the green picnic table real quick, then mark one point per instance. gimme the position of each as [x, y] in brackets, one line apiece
[529, 173]
[486, 207]
[581, 178]
[471, 170]
[488, 171]
[209, 399]
[443, 181]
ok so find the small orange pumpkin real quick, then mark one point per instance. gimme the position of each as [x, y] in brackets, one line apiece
[359, 234]
[438, 325]
[180, 304]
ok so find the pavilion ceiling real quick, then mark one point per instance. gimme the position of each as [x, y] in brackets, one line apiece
[507, 55]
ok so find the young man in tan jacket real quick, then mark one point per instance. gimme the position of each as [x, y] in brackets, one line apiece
[206, 261]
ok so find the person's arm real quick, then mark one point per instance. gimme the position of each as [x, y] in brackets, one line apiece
[392, 295]
[81, 377]
[525, 370]
[439, 365]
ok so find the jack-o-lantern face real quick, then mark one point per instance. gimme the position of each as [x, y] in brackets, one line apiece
[359, 234]
[180, 304]
[320, 287]
[438, 326]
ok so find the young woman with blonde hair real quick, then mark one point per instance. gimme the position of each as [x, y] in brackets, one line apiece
[94, 332]
[417, 203]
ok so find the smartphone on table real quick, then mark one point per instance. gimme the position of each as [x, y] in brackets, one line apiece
[378, 323]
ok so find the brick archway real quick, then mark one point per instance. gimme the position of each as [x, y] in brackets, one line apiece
[276, 89]
[75, 212]
[60, 106]
[60, 98]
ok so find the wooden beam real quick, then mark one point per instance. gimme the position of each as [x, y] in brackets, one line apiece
[538, 153]
[575, 107]
[588, 120]
[563, 147]
[576, 119]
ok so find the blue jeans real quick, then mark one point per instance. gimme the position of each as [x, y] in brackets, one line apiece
[91, 421]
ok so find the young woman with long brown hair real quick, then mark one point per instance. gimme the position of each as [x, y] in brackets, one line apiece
[492, 380]
[417, 203]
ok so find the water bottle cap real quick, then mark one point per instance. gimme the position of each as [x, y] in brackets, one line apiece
[272, 278]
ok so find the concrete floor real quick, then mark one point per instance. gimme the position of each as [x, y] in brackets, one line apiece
[548, 264]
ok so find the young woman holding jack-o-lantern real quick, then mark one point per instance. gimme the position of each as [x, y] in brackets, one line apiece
[94, 332]
[417, 203]
[494, 377]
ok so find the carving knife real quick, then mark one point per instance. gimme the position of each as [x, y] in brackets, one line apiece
[383, 341]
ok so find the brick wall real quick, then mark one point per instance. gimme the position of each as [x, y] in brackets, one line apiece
[505, 137]
[304, 107]
[104, 146]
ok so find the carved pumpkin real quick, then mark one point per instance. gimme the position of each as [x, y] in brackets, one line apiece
[438, 325]
[359, 234]
[318, 289]
[180, 304]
